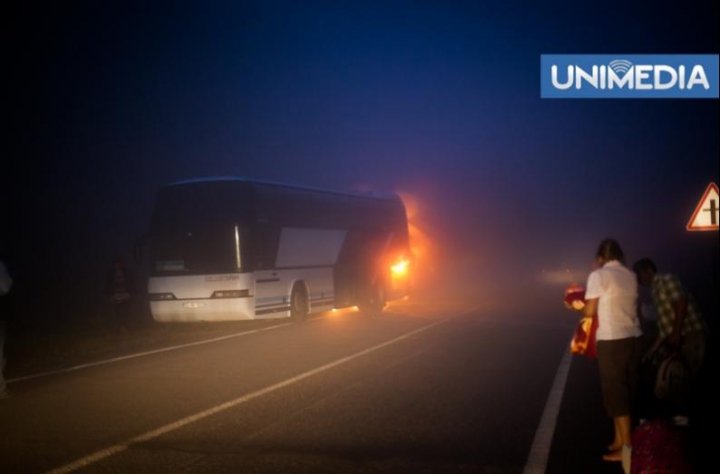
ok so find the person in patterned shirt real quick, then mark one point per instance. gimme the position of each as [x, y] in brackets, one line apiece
[680, 323]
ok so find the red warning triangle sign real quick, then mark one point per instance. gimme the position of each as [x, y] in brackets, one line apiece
[707, 213]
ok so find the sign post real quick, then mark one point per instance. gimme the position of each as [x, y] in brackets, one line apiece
[707, 212]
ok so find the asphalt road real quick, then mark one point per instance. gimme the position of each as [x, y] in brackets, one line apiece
[421, 389]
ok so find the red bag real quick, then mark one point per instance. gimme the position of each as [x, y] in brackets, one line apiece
[660, 447]
[575, 297]
[583, 341]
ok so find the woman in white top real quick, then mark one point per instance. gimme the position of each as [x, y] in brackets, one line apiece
[611, 292]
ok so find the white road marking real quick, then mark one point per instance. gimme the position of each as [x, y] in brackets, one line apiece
[142, 354]
[319, 401]
[118, 448]
[540, 450]
[156, 351]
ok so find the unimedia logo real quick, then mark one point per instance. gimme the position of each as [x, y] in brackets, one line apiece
[637, 76]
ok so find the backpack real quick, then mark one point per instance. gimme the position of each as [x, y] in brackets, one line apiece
[672, 382]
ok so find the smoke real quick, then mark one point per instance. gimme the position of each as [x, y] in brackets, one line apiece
[477, 244]
[563, 277]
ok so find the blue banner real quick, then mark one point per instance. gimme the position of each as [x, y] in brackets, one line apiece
[629, 76]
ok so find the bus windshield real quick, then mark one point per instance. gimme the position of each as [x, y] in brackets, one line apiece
[195, 229]
[196, 251]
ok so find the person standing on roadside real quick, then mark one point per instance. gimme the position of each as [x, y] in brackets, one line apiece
[120, 287]
[680, 324]
[5, 285]
[611, 291]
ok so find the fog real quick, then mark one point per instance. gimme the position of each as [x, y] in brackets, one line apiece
[509, 194]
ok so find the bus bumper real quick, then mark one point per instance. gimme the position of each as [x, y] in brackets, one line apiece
[224, 309]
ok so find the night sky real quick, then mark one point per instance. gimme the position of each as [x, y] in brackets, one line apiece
[441, 100]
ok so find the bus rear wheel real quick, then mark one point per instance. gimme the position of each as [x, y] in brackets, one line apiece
[299, 303]
[374, 300]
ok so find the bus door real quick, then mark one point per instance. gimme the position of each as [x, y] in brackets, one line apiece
[271, 299]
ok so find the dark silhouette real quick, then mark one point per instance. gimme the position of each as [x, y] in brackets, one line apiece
[5, 285]
[120, 286]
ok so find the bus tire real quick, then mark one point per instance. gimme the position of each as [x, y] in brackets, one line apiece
[374, 301]
[299, 303]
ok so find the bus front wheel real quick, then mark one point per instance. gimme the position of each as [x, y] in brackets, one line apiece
[299, 303]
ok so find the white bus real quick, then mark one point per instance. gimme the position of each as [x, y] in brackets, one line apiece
[233, 248]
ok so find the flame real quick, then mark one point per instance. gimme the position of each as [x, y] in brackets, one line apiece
[400, 268]
[422, 247]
